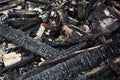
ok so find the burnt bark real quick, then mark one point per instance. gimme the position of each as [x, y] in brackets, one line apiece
[48, 64]
[23, 14]
[8, 7]
[87, 60]
[22, 40]
[23, 24]
[4, 1]
[76, 39]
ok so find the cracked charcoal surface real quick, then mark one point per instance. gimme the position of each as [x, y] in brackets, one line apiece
[28, 43]
[62, 69]
[59, 54]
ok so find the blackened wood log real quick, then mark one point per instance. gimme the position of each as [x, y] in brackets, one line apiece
[87, 60]
[1, 39]
[3, 2]
[104, 74]
[22, 40]
[19, 23]
[113, 3]
[48, 64]
[31, 24]
[76, 39]
[114, 13]
[18, 64]
[69, 41]
[74, 48]
[23, 14]
[8, 7]
[47, 2]
[89, 7]
[23, 24]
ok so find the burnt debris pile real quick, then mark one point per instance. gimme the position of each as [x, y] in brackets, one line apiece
[59, 39]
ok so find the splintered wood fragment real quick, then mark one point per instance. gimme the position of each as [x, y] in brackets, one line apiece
[43, 26]
[22, 40]
[86, 60]
[18, 64]
[11, 58]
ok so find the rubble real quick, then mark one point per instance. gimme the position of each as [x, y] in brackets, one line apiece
[59, 39]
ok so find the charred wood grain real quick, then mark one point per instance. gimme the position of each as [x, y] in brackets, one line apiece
[76, 39]
[22, 40]
[3, 1]
[23, 14]
[74, 48]
[104, 74]
[47, 2]
[48, 64]
[23, 24]
[10, 4]
[69, 41]
[89, 7]
[113, 3]
[8, 7]
[114, 13]
[87, 60]
[31, 24]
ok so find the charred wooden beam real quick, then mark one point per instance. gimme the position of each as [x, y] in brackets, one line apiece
[77, 39]
[86, 60]
[46, 2]
[31, 24]
[89, 7]
[11, 4]
[105, 73]
[22, 40]
[3, 1]
[49, 64]
[74, 48]
[113, 3]
[22, 14]
[8, 7]
[1, 39]
[114, 12]
[23, 24]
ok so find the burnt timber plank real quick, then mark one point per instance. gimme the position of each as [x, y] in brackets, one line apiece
[86, 60]
[22, 40]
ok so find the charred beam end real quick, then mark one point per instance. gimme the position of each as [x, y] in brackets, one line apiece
[21, 39]
[86, 61]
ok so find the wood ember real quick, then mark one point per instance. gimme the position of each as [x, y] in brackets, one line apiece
[59, 39]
